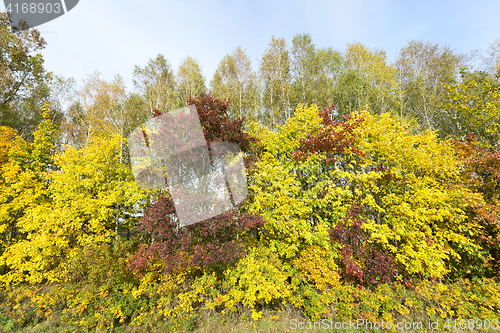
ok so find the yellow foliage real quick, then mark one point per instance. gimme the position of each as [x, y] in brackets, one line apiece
[90, 189]
[256, 279]
[23, 177]
[406, 183]
[318, 266]
[7, 136]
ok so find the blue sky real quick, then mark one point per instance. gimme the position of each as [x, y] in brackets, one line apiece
[112, 36]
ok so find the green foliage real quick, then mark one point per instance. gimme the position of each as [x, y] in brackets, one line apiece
[101, 264]
[474, 106]
[314, 72]
[480, 173]
[366, 79]
[98, 111]
[156, 84]
[190, 81]
[276, 81]
[416, 210]
[234, 80]
[424, 69]
[93, 308]
[22, 77]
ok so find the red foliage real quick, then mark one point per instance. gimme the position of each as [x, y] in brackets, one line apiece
[217, 241]
[334, 138]
[481, 173]
[156, 113]
[376, 267]
[217, 126]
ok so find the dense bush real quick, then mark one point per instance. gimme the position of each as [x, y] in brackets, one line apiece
[208, 245]
[357, 217]
[481, 173]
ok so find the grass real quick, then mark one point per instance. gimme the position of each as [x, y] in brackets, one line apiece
[211, 322]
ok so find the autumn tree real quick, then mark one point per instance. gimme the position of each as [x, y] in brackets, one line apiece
[98, 110]
[210, 244]
[156, 84]
[275, 74]
[23, 177]
[303, 67]
[23, 79]
[137, 111]
[328, 64]
[480, 173]
[314, 72]
[473, 106]
[423, 71]
[190, 81]
[7, 136]
[366, 181]
[234, 80]
[492, 57]
[366, 79]
[84, 199]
